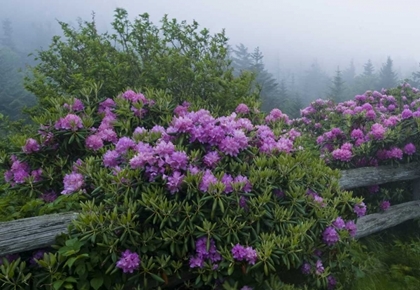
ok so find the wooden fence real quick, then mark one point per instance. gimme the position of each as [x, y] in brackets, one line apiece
[37, 232]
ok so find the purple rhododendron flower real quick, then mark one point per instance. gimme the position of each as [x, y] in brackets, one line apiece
[69, 122]
[342, 155]
[38, 255]
[49, 196]
[128, 262]
[241, 253]
[242, 202]
[306, 268]
[227, 180]
[202, 254]
[211, 158]
[360, 209]
[406, 114]
[72, 183]
[124, 144]
[207, 180]
[385, 205]
[174, 182]
[330, 236]
[94, 142]
[242, 109]
[331, 282]
[319, 267]
[351, 227]
[377, 131]
[339, 223]
[410, 149]
[110, 158]
[244, 182]
[31, 146]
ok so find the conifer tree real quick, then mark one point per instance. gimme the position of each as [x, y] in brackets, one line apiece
[7, 39]
[368, 68]
[337, 89]
[387, 76]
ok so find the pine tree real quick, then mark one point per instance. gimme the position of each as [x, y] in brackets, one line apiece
[337, 89]
[387, 76]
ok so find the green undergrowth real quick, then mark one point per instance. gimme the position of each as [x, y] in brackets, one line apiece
[391, 259]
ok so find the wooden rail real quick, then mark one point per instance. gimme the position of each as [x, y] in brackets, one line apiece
[37, 232]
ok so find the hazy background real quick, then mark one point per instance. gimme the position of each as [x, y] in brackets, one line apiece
[304, 42]
[291, 32]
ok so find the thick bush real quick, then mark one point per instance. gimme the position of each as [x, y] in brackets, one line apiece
[196, 202]
[376, 128]
[179, 58]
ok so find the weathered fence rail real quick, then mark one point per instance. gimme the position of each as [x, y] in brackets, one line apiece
[37, 232]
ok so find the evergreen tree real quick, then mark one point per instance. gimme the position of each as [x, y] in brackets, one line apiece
[294, 105]
[7, 39]
[387, 76]
[415, 81]
[337, 89]
[315, 83]
[349, 74]
[368, 68]
[241, 59]
[265, 81]
[13, 96]
[367, 80]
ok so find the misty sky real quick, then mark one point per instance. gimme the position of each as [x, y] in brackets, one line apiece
[289, 32]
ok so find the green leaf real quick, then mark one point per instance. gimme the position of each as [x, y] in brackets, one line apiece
[57, 284]
[96, 282]
[157, 278]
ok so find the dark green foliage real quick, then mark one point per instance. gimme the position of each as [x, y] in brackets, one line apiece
[392, 260]
[176, 57]
[124, 210]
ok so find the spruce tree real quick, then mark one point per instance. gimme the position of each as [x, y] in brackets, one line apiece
[265, 81]
[387, 76]
[368, 68]
[349, 74]
[7, 39]
[337, 89]
[241, 59]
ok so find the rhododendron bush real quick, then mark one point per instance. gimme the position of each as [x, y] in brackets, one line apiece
[376, 128]
[170, 196]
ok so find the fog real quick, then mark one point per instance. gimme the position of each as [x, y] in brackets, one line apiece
[291, 34]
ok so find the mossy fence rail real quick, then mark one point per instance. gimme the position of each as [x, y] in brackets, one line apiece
[37, 232]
